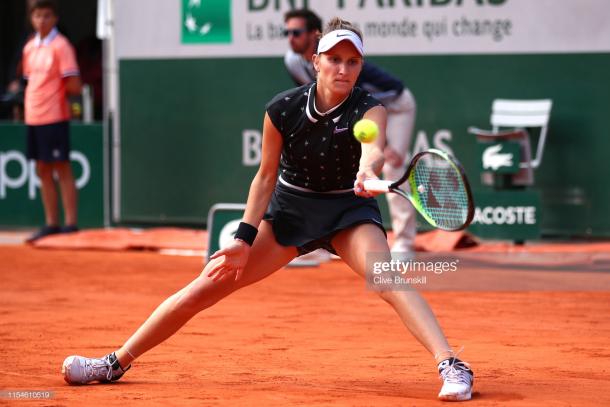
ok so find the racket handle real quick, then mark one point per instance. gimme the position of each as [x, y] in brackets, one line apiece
[377, 185]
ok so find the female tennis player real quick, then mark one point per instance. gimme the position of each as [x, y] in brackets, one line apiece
[318, 201]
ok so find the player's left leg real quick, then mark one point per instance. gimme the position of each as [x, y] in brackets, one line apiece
[353, 245]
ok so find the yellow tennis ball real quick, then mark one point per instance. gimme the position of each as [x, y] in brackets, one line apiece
[366, 131]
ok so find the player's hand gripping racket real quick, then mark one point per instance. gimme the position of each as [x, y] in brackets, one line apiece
[436, 185]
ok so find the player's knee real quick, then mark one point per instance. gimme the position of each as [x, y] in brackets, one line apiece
[202, 294]
[388, 296]
[189, 302]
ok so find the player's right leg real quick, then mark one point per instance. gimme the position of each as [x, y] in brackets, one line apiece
[266, 257]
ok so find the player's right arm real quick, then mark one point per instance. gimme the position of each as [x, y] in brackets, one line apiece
[264, 182]
[237, 253]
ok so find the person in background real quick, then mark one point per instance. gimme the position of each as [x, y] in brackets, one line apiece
[51, 72]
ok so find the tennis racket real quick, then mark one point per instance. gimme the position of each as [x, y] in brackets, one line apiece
[436, 185]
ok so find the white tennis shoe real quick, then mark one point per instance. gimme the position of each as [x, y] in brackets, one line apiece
[82, 370]
[457, 380]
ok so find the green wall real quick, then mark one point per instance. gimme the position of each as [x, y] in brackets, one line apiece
[21, 205]
[181, 133]
[182, 121]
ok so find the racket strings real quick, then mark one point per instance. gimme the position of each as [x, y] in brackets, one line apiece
[441, 191]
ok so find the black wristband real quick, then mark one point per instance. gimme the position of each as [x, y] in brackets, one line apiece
[246, 232]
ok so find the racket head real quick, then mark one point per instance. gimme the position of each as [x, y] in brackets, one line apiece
[436, 184]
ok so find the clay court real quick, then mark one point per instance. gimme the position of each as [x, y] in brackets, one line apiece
[490, 116]
[304, 336]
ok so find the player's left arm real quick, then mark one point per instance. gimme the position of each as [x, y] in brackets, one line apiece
[372, 158]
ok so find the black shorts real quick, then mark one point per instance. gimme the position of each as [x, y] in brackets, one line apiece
[309, 220]
[49, 142]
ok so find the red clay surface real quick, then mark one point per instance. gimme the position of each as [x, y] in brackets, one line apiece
[301, 337]
[127, 239]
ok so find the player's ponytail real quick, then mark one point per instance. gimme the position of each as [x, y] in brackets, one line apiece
[339, 24]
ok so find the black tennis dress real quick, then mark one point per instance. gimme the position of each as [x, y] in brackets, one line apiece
[314, 197]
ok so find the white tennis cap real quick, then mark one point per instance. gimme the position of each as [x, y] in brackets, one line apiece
[334, 37]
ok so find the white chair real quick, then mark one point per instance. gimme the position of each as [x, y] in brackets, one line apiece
[517, 116]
